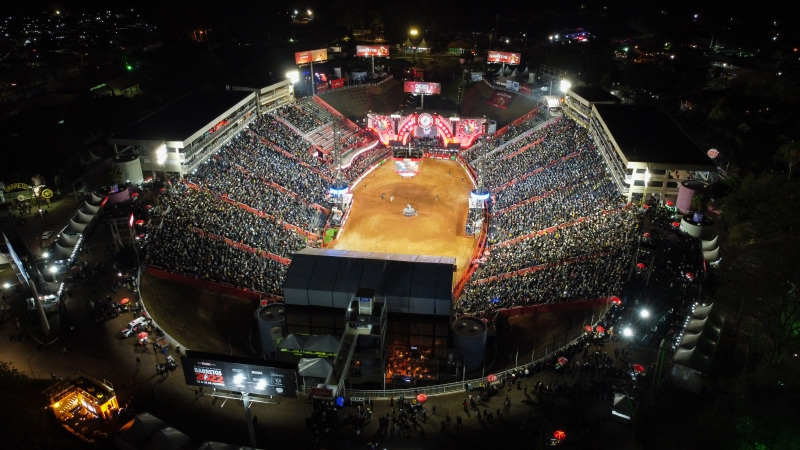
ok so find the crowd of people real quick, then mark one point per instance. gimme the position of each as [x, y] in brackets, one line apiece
[304, 116]
[252, 193]
[559, 231]
[191, 241]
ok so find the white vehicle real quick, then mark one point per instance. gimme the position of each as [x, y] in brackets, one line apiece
[47, 235]
[134, 326]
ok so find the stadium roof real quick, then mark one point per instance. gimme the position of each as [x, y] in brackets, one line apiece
[593, 94]
[644, 134]
[182, 118]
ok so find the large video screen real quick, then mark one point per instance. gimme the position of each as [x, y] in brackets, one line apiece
[406, 166]
[372, 50]
[238, 374]
[503, 57]
[421, 87]
[311, 56]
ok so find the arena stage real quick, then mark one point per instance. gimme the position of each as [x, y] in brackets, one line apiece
[440, 195]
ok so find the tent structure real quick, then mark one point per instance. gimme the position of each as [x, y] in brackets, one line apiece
[68, 240]
[136, 433]
[622, 409]
[695, 351]
[322, 344]
[169, 438]
[62, 252]
[82, 217]
[94, 199]
[292, 343]
[75, 227]
[314, 368]
[90, 208]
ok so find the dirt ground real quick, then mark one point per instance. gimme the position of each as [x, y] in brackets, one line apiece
[439, 193]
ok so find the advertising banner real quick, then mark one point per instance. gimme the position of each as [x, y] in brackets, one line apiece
[421, 87]
[337, 83]
[512, 85]
[503, 57]
[500, 99]
[372, 50]
[311, 56]
[238, 374]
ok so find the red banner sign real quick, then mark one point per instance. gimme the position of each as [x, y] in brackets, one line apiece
[503, 57]
[337, 83]
[321, 392]
[311, 56]
[372, 50]
[421, 87]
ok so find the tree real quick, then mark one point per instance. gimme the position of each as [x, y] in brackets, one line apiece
[789, 154]
[761, 283]
[114, 174]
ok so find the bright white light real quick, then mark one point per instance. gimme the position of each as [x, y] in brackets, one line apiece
[238, 379]
[261, 385]
[6, 285]
[46, 255]
[627, 332]
[645, 314]
[564, 85]
[309, 12]
[161, 154]
[293, 76]
[413, 31]
[53, 269]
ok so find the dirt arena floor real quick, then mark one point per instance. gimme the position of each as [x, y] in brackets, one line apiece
[439, 193]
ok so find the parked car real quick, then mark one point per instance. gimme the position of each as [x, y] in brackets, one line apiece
[47, 235]
[134, 326]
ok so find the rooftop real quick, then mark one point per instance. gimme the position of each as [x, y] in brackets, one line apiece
[593, 94]
[182, 118]
[647, 135]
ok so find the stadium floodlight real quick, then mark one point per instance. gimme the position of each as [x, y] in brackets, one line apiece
[627, 332]
[413, 32]
[293, 76]
[564, 85]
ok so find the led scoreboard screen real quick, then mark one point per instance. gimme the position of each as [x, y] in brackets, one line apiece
[406, 167]
[238, 374]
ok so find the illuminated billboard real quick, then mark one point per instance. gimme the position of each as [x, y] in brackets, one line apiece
[421, 87]
[239, 374]
[372, 50]
[407, 167]
[311, 56]
[503, 57]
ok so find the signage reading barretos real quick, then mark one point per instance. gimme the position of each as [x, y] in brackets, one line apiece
[238, 374]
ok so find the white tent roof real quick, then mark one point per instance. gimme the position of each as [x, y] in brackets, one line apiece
[68, 240]
[81, 217]
[293, 342]
[88, 207]
[322, 343]
[94, 198]
[169, 438]
[623, 407]
[75, 227]
[314, 367]
[138, 431]
[62, 252]
[4, 259]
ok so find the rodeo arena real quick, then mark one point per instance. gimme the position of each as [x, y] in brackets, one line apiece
[396, 262]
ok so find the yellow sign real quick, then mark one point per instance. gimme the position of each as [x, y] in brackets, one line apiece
[17, 187]
[47, 193]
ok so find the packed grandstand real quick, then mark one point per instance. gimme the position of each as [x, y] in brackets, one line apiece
[559, 230]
